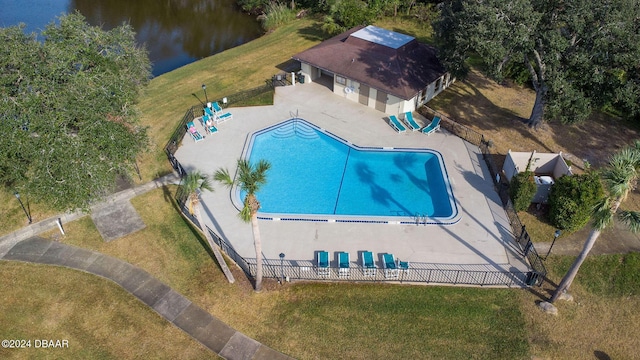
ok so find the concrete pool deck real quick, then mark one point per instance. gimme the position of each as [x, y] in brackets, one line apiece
[482, 237]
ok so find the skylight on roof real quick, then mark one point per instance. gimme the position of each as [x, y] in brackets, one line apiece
[382, 36]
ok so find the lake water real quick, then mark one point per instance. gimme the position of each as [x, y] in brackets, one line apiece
[175, 32]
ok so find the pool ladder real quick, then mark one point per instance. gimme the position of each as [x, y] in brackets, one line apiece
[420, 218]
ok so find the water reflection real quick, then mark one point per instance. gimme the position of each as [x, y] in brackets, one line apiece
[176, 32]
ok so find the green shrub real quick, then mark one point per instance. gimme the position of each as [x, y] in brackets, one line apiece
[277, 15]
[522, 190]
[572, 199]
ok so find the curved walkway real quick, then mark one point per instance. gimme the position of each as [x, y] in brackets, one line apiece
[177, 309]
[23, 245]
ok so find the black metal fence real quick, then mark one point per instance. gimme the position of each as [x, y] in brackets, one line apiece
[522, 236]
[417, 272]
[197, 111]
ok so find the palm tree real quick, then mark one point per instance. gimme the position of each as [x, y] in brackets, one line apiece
[620, 178]
[193, 184]
[250, 179]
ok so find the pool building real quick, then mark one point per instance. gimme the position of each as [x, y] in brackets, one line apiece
[379, 68]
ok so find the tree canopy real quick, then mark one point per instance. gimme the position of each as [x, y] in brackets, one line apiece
[580, 55]
[68, 121]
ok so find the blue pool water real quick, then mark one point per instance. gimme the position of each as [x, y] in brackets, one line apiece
[314, 172]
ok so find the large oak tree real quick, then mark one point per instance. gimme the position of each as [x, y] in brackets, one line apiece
[580, 54]
[68, 120]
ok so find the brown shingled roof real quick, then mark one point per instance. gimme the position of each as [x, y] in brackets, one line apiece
[401, 72]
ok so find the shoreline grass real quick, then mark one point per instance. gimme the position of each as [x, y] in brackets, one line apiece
[169, 96]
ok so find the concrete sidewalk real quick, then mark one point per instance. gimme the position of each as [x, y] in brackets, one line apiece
[24, 245]
[9, 240]
[180, 311]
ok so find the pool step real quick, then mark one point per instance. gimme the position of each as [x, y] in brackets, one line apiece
[292, 129]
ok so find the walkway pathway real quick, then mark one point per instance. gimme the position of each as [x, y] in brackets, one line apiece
[225, 341]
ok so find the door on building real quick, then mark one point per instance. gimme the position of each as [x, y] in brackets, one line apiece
[364, 95]
[381, 101]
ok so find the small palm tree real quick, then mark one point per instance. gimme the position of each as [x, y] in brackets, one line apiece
[620, 178]
[193, 184]
[250, 179]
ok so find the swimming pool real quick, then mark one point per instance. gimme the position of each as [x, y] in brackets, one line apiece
[316, 175]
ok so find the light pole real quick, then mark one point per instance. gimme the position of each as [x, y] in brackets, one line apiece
[555, 237]
[281, 266]
[17, 195]
[204, 87]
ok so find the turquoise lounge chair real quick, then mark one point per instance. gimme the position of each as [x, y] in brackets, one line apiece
[343, 263]
[208, 111]
[195, 135]
[408, 118]
[396, 124]
[404, 266]
[323, 263]
[389, 264]
[209, 128]
[224, 117]
[435, 125]
[368, 265]
[216, 107]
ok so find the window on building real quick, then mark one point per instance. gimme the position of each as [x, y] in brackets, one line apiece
[341, 80]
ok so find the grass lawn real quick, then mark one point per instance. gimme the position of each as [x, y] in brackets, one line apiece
[311, 320]
[602, 320]
[98, 318]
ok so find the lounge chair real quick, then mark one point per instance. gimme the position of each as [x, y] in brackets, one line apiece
[208, 125]
[435, 125]
[323, 263]
[216, 107]
[396, 124]
[408, 118]
[389, 264]
[368, 265]
[195, 135]
[208, 112]
[223, 117]
[343, 263]
[403, 266]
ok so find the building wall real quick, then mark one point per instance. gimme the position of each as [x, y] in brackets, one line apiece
[350, 90]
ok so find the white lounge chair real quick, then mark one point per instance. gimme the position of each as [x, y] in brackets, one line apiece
[389, 265]
[210, 129]
[396, 124]
[403, 266]
[408, 118]
[323, 263]
[368, 265]
[223, 117]
[435, 125]
[195, 134]
[343, 263]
